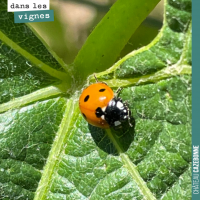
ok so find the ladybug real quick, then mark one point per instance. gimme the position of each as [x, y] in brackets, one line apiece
[101, 107]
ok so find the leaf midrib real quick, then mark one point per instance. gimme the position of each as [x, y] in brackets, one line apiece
[32, 97]
[57, 147]
[132, 169]
[41, 65]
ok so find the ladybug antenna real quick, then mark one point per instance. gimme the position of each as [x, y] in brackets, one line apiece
[96, 78]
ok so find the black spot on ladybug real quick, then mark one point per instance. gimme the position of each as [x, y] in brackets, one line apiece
[86, 98]
[99, 112]
[84, 116]
[102, 90]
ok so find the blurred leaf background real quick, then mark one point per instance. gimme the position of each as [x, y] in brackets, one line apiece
[74, 20]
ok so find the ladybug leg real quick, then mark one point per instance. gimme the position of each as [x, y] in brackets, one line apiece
[129, 114]
[129, 118]
[96, 78]
[117, 93]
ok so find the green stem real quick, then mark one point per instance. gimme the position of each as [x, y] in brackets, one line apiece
[101, 49]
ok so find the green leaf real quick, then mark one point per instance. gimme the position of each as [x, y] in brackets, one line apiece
[47, 149]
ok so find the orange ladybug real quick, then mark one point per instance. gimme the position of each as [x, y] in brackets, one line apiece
[102, 108]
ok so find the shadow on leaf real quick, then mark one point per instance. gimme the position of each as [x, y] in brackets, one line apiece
[123, 137]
